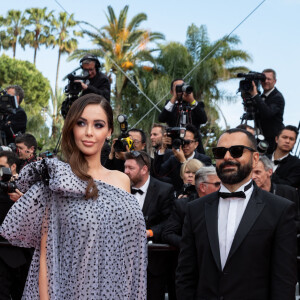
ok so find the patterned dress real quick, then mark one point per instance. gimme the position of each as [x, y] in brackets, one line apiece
[96, 249]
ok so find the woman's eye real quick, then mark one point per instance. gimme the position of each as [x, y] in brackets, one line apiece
[80, 123]
[99, 125]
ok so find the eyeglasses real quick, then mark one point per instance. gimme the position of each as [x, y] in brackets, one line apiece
[216, 184]
[235, 151]
[89, 70]
[137, 154]
[188, 142]
[136, 141]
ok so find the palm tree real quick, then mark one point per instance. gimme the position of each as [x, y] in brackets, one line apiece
[125, 44]
[37, 20]
[63, 41]
[14, 27]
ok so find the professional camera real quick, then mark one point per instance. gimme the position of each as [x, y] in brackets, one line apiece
[72, 90]
[8, 103]
[177, 135]
[184, 88]
[124, 139]
[46, 154]
[246, 84]
[188, 189]
[6, 186]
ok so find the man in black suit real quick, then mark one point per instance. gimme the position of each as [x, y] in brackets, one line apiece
[287, 166]
[14, 261]
[194, 110]
[171, 167]
[155, 199]
[270, 108]
[240, 242]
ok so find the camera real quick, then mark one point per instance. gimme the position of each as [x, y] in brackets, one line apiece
[8, 103]
[124, 139]
[188, 189]
[6, 186]
[246, 84]
[72, 90]
[177, 135]
[184, 88]
[46, 154]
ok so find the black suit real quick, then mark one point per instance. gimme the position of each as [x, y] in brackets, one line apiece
[270, 115]
[288, 172]
[14, 261]
[156, 210]
[261, 263]
[198, 116]
[171, 168]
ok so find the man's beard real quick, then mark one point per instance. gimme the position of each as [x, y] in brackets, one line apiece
[233, 177]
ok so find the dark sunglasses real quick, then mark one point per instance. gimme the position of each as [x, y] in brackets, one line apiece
[188, 142]
[137, 154]
[216, 184]
[235, 151]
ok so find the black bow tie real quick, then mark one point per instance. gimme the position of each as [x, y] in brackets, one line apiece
[239, 194]
[134, 191]
[277, 162]
[263, 96]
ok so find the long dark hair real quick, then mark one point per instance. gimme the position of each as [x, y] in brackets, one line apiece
[69, 148]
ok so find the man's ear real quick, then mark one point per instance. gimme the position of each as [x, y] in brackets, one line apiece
[13, 168]
[31, 149]
[255, 159]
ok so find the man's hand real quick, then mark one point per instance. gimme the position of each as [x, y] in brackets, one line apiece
[16, 195]
[166, 140]
[179, 155]
[83, 85]
[253, 92]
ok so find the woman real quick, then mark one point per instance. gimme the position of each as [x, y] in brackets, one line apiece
[88, 231]
[187, 173]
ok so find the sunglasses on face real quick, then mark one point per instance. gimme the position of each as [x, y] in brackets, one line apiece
[188, 142]
[137, 154]
[216, 184]
[235, 151]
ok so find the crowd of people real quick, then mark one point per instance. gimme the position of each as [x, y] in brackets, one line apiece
[100, 223]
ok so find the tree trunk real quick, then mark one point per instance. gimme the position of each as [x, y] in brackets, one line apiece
[57, 70]
[34, 57]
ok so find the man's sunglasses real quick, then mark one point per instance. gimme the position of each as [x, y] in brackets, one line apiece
[137, 154]
[235, 151]
[216, 184]
[188, 142]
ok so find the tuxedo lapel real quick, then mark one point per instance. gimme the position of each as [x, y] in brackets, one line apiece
[149, 197]
[253, 210]
[211, 218]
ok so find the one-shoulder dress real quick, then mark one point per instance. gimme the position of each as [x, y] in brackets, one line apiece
[96, 248]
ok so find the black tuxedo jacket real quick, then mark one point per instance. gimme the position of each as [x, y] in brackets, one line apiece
[171, 168]
[270, 115]
[262, 260]
[288, 172]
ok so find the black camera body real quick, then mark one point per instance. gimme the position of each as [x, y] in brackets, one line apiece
[123, 140]
[8, 103]
[188, 189]
[6, 186]
[177, 135]
[246, 84]
[184, 88]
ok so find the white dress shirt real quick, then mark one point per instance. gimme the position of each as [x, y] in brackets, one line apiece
[230, 213]
[138, 196]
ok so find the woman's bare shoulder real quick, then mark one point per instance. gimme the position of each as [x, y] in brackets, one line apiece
[118, 179]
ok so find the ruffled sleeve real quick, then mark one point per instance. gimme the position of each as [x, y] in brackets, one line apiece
[23, 224]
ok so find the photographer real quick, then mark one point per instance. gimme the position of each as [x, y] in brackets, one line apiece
[171, 114]
[17, 122]
[270, 106]
[14, 261]
[97, 82]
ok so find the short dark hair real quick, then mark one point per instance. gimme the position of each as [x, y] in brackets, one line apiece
[145, 160]
[194, 130]
[161, 126]
[249, 135]
[28, 140]
[270, 71]
[12, 158]
[18, 91]
[289, 127]
[174, 81]
[142, 133]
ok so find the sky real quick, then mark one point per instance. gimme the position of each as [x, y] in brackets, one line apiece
[271, 35]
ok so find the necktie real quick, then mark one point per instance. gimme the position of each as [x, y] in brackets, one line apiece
[263, 97]
[239, 194]
[134, 191]
[277, 162]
